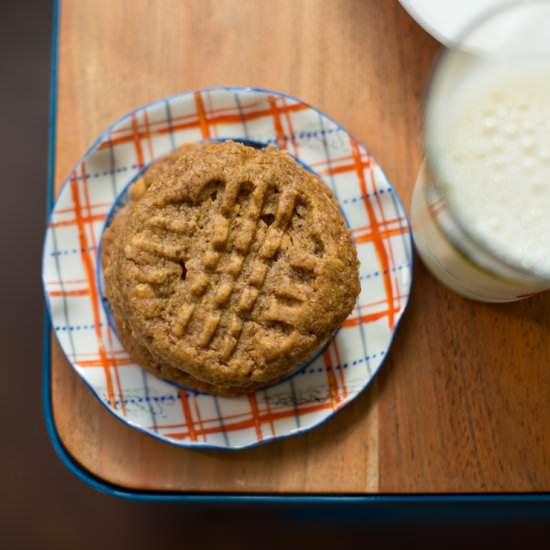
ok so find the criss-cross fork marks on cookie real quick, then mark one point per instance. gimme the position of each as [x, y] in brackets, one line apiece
[246, 227]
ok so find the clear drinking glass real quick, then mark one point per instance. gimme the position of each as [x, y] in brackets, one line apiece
[481, 206]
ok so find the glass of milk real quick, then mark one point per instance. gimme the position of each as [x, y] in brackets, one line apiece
[481, 206]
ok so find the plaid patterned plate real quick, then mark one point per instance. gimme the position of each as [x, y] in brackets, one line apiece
[323, 386]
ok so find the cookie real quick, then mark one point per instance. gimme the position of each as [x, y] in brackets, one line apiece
[230, 267]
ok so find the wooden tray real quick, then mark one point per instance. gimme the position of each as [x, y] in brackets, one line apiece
[463, 402]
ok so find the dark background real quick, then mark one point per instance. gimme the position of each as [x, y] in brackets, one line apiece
[41, 504]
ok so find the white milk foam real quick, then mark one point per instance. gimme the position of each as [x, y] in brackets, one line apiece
[492, 149]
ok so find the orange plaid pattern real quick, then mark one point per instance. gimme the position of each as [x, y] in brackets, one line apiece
[73, 284]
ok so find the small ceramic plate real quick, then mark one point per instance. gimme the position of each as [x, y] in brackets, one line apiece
[445, 21]
[327, 383]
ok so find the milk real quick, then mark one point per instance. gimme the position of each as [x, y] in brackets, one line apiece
[482, 222]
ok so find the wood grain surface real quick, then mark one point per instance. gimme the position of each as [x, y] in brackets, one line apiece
[462, 403]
